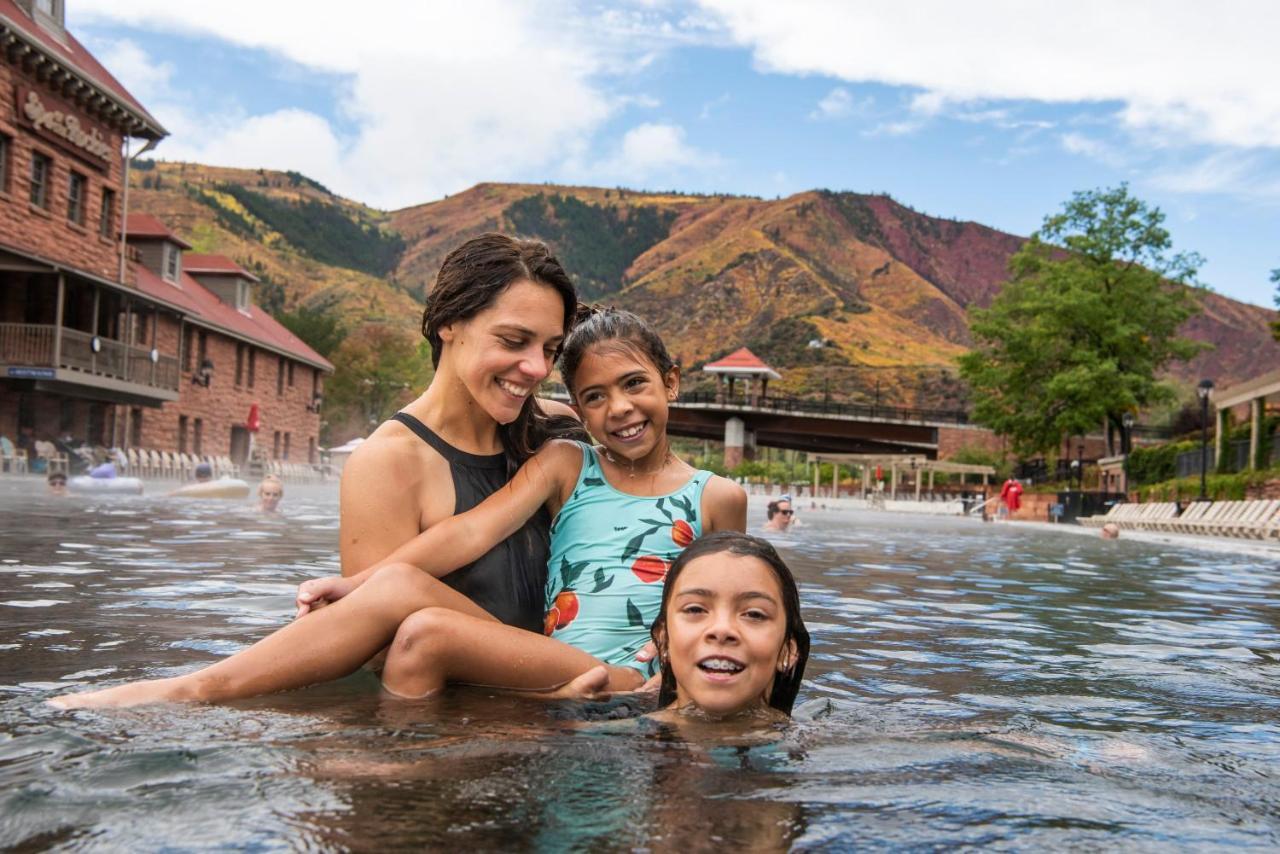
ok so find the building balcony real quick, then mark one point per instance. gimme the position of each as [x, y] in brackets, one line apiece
[72, 362]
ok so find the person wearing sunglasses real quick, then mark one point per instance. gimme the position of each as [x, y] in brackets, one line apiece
[781, 514]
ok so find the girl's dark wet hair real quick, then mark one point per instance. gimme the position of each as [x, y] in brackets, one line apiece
[470, 280]
[785, 684]
[596, 325]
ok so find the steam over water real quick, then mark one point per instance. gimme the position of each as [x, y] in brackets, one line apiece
[969, 684]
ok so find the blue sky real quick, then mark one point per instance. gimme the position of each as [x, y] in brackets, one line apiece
[992, 111]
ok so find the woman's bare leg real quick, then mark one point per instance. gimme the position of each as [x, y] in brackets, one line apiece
[436, 646]
[329, 643]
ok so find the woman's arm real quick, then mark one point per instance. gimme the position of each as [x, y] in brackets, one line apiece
[724, 506]
[461, 539]
[379, 505]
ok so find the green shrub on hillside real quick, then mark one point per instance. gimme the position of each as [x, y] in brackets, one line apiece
[595, 243]
[325, 232]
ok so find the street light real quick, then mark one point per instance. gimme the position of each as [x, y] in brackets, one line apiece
[1204, 390]
[1126, 444]
[1080, 464]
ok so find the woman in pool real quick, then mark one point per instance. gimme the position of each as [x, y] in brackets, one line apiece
[495, 319]
[623, 511]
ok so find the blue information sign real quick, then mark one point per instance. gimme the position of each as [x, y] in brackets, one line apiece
[31, 373]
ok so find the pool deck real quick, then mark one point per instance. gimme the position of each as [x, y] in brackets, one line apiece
[1232, 545]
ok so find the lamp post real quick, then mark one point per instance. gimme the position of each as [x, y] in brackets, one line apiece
[1080, 465]
[1126, 441]
[1204, 390]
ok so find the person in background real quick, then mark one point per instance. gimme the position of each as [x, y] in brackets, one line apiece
[780, 514]
[1011, 496]
[204, 473]
[1111, 531]
[270, 493]
[57, 483]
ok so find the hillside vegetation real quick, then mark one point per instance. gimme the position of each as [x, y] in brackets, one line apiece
[850, 296]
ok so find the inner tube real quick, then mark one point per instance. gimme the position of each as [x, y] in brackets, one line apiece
[226, 487]
[109, 485]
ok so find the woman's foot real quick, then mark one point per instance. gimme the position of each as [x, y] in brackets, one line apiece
[121, 696]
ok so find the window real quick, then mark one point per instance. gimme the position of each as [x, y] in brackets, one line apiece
[67, 417]
[253, 364]
[41, 174]
[182, 434]
[135, 427]
[187, 347]
[6, 145]
[287, 438]
[107, 214]
[77, 188]
[291, 375]
[202, 351]
[275, 445]
[197, 437]
[279, 376]
[239, 364]
[171, 256]
[311, 450]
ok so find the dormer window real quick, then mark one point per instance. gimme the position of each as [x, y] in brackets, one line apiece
[50, 14]
[171, 261]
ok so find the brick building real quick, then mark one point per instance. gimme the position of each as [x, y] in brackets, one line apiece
[110, 334]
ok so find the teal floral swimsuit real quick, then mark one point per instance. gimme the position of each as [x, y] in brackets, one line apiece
[609, 555]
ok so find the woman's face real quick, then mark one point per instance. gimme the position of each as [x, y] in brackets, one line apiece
[725, 635]
[501, 354]
[624, 400]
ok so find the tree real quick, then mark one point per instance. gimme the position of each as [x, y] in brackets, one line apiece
[1275, 325]
[377, 369]
[320, 330]
[1088, 319]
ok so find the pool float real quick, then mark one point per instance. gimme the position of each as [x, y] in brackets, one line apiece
[105, 485]
[225, 487]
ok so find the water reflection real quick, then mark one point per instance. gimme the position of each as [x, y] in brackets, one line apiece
[969, 684]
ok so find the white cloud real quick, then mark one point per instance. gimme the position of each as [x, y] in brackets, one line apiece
[440, 95]
[146, 79]
[646, 152]
[839, 104]
[1240, 174]
[1197, 71]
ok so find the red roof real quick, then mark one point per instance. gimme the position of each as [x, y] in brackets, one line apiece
[145, 226]
[72, 54]
[740, 358]
[214, 265]
[203, 307]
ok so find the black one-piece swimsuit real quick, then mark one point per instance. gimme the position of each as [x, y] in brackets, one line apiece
[509, 581]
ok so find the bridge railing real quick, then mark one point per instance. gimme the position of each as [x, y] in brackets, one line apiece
[822, 407]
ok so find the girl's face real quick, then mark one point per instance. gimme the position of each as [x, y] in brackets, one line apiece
[501, 354]
[623, 400]
[726, 633]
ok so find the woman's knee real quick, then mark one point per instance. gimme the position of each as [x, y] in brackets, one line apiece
[423, 633]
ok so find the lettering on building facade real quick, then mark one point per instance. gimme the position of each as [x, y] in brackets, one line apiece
[81, 137]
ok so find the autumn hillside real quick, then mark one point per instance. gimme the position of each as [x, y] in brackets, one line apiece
[845, 293]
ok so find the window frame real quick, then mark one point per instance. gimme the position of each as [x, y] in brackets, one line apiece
[107, 213]
[76, 201]
[6, 156]
[38, 194]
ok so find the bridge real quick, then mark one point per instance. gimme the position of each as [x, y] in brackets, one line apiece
[798, 424]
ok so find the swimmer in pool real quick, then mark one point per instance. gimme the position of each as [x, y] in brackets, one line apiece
[623, 511]
[270, 494]
[730, 636]
[56, 483]
[780, 514]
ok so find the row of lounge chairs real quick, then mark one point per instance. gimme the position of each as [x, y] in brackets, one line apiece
[1257, 519]
[141, 462]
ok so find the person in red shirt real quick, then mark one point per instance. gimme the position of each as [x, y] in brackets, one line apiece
[1011, 495]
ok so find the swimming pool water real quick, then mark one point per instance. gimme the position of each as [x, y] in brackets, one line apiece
[969, 684]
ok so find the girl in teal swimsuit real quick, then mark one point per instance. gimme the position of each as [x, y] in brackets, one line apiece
[623, 510]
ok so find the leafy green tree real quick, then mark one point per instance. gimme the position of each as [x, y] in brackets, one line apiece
[321, 330]
[1089, 317]
[1275, 326]
[377, 369]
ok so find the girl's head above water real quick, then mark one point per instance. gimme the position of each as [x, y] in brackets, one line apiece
[729, 633]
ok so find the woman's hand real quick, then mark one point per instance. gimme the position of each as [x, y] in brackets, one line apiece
[319, 592]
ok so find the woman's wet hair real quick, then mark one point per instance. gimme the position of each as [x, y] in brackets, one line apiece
[772, 509]
[787, 683]
[611, 327]
[472, 278]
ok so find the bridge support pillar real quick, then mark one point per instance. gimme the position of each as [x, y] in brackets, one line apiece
[893, 489]
[866, 481]
[735, 439]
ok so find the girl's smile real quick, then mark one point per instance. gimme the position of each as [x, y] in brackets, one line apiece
[726, 633]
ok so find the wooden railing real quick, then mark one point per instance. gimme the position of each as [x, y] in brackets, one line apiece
[26, 344]
[32, 345]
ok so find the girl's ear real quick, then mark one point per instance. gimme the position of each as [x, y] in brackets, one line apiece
[787, 656]
[660, 641]
[672, 382]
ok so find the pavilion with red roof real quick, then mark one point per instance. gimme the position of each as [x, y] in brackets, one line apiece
[744, 365]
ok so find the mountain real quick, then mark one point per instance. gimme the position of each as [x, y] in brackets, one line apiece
[846, 294]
